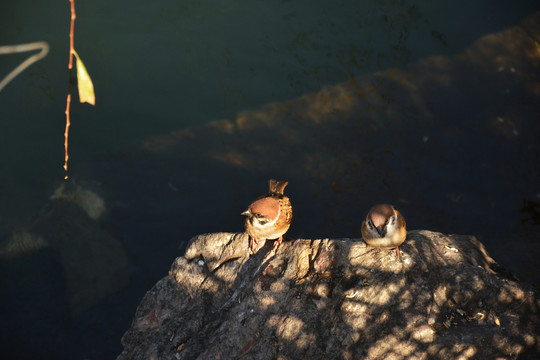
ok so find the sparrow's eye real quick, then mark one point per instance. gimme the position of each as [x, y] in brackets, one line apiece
[370, 224]
[261, 219]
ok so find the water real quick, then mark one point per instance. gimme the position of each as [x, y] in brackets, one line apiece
[166, 66]
[169, 65]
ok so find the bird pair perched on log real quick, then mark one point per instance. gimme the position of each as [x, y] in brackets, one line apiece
[269, 217]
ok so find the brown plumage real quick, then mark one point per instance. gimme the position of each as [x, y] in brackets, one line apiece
[384, 227]
[269, 217]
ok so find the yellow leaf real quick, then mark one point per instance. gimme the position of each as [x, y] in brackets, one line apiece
[84, 83]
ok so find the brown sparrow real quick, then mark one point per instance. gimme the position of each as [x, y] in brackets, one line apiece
[269, 217]
[384, 227]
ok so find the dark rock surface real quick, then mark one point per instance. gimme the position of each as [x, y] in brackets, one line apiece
[335, 299]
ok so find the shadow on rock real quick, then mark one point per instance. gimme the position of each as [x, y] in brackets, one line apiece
[334, 299]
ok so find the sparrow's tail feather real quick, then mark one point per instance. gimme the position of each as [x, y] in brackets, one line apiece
[277, 187]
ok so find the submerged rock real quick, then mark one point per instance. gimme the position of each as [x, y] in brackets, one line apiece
[335, 299]
[86, 199]
[52, 272]
[94, 263]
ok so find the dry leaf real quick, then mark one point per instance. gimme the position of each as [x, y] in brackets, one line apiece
[84, 83]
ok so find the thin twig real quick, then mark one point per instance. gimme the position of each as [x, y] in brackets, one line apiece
[12, 49]
[68, 101]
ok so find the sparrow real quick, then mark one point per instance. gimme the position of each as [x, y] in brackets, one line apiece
[269, 217]
[384, 227]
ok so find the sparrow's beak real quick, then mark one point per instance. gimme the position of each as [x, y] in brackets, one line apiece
[246, 213]
[381, 230]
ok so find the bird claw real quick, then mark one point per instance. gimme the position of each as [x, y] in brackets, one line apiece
[277, 243]
[398, 253]
[252, 241]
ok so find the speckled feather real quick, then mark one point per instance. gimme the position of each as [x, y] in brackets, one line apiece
[269, 217]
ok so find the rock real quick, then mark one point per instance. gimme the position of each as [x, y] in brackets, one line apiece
[218, 248]
[335, 299]
[21, 242]
[95, 263]
[86, 199]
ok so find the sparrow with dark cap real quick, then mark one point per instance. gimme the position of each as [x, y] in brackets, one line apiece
[269, 217]
[384, 227]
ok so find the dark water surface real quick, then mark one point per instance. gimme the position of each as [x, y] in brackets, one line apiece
[166, 66]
